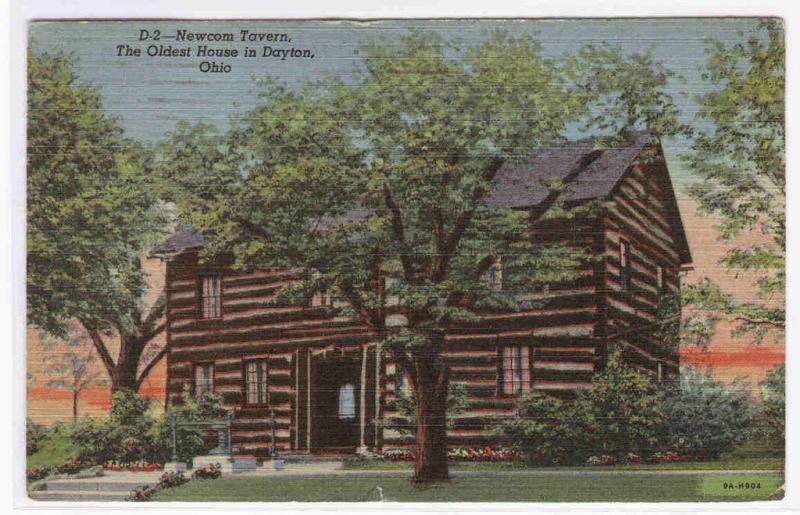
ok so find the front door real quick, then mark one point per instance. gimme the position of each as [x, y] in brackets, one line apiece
[335, 403]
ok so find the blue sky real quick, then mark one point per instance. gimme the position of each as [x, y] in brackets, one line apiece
[151, 94]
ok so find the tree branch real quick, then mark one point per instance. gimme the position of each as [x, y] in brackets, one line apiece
[101, 348]
[399, 233]
[462, 222]
[153, 362]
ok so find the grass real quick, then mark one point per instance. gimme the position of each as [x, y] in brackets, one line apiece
[472, 489]
[54, 451]
[732, 464]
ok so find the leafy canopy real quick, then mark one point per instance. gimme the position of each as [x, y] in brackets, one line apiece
[741, 161]
[92, 207]
[388, 173]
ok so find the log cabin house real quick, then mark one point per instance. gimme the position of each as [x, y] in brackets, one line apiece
[327, 380]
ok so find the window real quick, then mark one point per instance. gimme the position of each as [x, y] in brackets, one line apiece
[321, 299]
[203, 379]
[516, 373]
[256, 382]
[347, 401]
[624, 265]
[210, 297]
[494, 276]
[401, 383]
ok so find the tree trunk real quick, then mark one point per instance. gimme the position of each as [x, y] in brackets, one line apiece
[74, 405]
[430, 396]
[123, 376]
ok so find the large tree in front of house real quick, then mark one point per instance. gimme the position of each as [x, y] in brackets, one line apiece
[92, 211]
[740, 159]
[374, 190]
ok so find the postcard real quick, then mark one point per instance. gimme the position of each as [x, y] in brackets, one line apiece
[422, 260]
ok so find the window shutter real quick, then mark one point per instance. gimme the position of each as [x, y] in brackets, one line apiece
[508, 371]
[526, 368]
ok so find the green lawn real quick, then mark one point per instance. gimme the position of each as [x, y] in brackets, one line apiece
[55, 450]
[472, 489]
[733, 464]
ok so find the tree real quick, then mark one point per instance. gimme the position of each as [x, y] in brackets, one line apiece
[374, 191]
[740, 161]
[76, 370]
[706, 418]
[623, 92]
[92, 213]
[772, 410]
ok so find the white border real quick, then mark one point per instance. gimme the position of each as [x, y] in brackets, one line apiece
[12, 212]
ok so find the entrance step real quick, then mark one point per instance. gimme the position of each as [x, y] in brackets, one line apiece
[311, 458]
[76, 495]
[114, 486]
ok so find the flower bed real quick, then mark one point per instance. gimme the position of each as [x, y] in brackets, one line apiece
[168, 480]
[484, 454]
[211, 471]
[132, 467]
[666, 457]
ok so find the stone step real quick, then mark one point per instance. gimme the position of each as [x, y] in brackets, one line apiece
[89, 485]
[76, 495]
[309, 458]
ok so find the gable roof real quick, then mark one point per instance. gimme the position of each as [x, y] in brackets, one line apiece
[185, 238]
[594, 174]
[520, 185]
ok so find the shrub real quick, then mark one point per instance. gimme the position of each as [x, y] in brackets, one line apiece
[72, 466]
[124, 437]
[141, 494]
[211, 471]
[171, 479]
[168, 480]
[545, 430]
[625, 412]
[405, 422]
[771, 426]
[35, 434]
[37, 473]
[191, 442]
[706, 418]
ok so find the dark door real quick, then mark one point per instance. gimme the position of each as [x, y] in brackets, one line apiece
[334, 404]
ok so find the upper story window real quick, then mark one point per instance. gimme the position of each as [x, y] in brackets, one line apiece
[256, 382]
[625, 268]
[515, 370]
[203, 379]
[494, 276]
[321, 299]
[210, 296]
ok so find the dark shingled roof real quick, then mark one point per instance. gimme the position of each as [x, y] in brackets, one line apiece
[184, 238]
[520, 185]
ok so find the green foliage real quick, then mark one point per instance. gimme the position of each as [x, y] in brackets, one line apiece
[124, 437]
[91, 207]
[624, 92]
[770, 425]
[405, 422]
[191, 442]
[35, 434]
[626, 413]
[55, 449]
[741, 163]
[547, 430]
[621, 413]
[706, 418]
